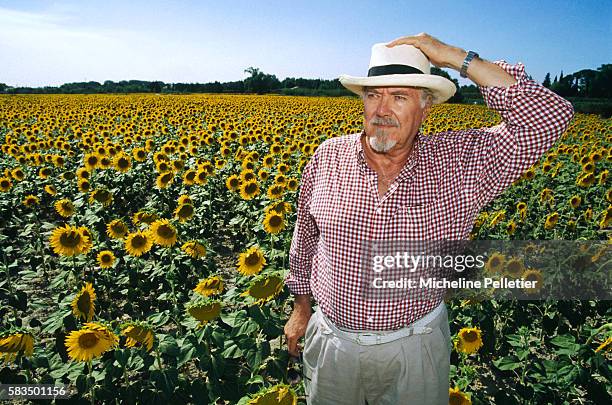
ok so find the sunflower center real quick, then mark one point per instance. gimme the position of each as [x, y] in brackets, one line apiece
[139, 241]
[250, 188]
[470, 336]
[276, 221]
[165, 231]
[252, 259]
[88, 340]
[70, 239]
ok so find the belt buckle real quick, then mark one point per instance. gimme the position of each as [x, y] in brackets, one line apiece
[358, 338]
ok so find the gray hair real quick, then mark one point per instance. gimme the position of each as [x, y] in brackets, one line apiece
[427, 96]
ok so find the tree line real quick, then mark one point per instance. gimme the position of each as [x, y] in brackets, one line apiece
[586, 83]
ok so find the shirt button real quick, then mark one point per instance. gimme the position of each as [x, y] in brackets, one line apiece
[378, 211]
[370, 319]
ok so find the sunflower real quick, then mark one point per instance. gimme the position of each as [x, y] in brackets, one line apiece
[606, 345]
[275, 191]
[5, 184]
[138, 333]
[201, 177]
[495, 263]
[497, 218]
[163, 233]
[533, 275]
[64, 207]
[233, 182]
[17, 174]
[44, 172]
[30, 200]
[139, 242]
[83, 304]
[139, 154]
[263, 174]
[50, 189]
[280, 394]
[247, 176]
[92, 341]
[249, 190]
[292, 184]
[209, 286]
[116, 229]
[194, 249]
[575, 201]
[91, 161]
[282, 207]
[456, 397]
[551, 221]
[164, 180]
[184, 199]
[84, 186]
[101, 195]
[514, 267]
[83, 173]
[606, 218]
[189, 177]
[16, 343]
[585, 180]
[264, 288]
[68, 241]
[123, 163]
[273, 222]
[511, 227]
[204, 310]
[87, 236]
[468, 340]
[106, 259]
[268, 161]
[251, 261]
[144, 217]
[184, 212]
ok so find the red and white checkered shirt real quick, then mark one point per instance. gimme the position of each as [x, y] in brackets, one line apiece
[445, 182]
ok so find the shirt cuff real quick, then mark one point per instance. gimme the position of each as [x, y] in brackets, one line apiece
[297, 286]
[500, 97]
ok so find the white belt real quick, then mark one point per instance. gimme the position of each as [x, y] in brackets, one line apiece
[380, 337]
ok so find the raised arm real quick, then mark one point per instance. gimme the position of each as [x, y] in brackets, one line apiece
[533, 119]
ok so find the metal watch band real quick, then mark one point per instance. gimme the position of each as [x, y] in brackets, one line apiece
[471, 55]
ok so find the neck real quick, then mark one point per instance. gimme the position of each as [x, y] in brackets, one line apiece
[388, 161]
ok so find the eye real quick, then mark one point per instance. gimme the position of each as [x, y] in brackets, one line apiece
[400, 98]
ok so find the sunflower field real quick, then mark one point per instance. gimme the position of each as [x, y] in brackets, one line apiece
[144, 241]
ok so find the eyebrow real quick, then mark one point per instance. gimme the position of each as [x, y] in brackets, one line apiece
[394, 93]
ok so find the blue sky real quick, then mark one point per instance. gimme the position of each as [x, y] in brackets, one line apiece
[53, 42]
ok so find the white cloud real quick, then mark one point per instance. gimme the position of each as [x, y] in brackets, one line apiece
[50, 49]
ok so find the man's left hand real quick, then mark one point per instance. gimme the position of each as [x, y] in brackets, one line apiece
[439, 53]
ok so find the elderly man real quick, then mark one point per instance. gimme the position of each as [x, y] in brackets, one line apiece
[391, 183]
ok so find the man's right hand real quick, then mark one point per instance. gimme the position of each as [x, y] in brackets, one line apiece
[295, 327]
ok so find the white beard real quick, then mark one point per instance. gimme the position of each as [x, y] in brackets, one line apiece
[380, 142]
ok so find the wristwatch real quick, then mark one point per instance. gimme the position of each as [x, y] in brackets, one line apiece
[470, 55]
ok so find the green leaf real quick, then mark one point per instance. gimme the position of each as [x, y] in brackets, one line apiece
[507, 363]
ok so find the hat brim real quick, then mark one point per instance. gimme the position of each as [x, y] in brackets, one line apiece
[441, 87]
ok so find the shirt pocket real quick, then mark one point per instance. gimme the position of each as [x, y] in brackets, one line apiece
[417, 222]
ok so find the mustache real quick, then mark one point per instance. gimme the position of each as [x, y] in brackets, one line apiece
[385, 121]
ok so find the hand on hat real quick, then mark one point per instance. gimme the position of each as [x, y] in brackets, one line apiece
[438, 53]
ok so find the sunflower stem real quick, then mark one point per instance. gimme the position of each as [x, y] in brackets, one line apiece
[158, 358]
[93, 385]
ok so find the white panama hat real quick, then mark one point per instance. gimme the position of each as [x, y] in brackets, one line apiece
[400, 66]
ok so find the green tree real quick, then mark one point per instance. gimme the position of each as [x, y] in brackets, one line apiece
[546, 83]
[260, 82]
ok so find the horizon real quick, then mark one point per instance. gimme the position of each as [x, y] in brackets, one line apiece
[50, 44]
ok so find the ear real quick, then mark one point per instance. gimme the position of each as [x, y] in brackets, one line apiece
[426, 111]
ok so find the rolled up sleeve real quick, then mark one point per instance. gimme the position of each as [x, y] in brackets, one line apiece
[534, 118]
[305, 235]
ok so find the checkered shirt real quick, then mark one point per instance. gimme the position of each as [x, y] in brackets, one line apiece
[445, 182]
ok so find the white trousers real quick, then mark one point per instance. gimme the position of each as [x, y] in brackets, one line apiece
[409, 370]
